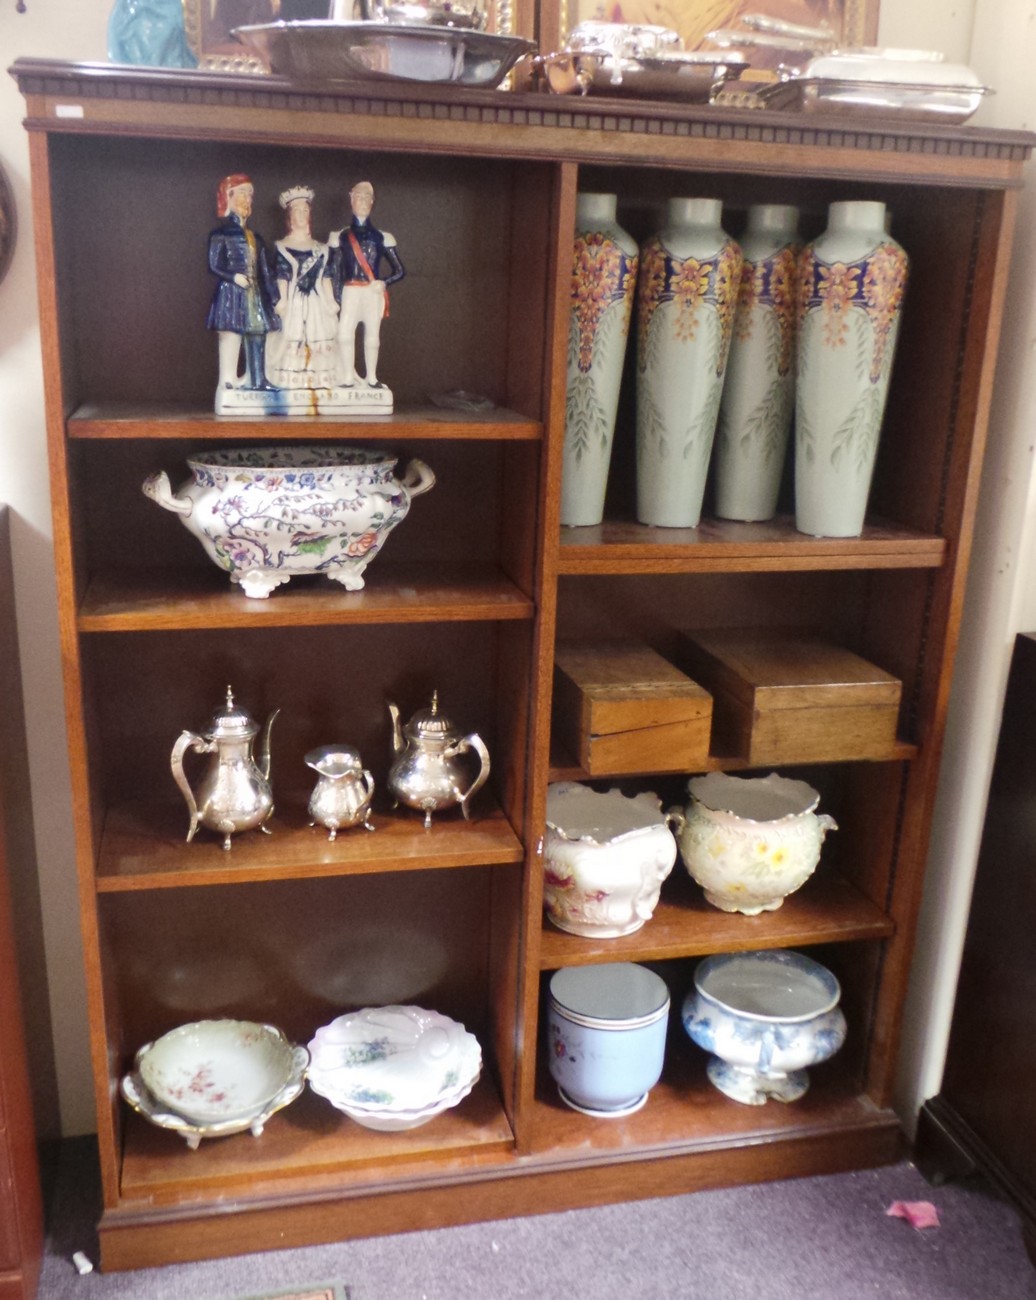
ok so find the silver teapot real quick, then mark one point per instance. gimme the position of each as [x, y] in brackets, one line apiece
[234, 793]
[427, 773]
[342, 796]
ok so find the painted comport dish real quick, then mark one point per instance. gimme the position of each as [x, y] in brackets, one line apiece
[764, 1017]
[212, 1078]
[395, 1067]
[268, 514]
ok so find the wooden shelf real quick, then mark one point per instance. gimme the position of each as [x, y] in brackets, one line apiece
[143, 847]
[685, 1113]
[309, 1140]
[723, 546]
[565, 768]
[827, 909]
[160, 420]
[164, 600]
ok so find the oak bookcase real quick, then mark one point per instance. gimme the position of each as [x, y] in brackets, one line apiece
[474, 587]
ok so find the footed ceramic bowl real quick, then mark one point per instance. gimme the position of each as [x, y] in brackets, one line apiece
[393, 1067]
[605, 857]
[764, 1017]
[606, 1032]
[218, 1071]
[267, 514]
[750, 841]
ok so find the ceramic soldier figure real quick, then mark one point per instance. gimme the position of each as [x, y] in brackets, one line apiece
[242, 309]
[357, 254]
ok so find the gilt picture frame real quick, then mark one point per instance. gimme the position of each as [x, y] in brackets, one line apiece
[209, 25]
[853, 22]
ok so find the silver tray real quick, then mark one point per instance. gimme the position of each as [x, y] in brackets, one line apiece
[321, 51]
[914, 102]
[689, 77]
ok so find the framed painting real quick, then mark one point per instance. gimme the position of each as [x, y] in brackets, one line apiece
[852, 22]
[210, 27]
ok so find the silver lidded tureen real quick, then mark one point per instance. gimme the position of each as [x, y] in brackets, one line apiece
[267, 514]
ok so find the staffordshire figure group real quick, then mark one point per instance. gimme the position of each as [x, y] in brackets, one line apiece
[296, 310]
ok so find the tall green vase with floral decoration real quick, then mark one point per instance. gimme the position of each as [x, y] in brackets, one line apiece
[604, 276]
[759, 390]
[852, 280]
[687, 291]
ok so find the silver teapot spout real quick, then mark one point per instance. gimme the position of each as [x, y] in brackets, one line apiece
[398, 743]
[264, 746]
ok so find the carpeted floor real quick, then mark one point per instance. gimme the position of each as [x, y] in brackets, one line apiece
[825, 1238]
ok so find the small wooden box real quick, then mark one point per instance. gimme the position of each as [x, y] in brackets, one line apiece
[620, 708]
[780, 698]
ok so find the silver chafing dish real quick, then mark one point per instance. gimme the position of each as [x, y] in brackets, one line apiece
[634, 59]
[916, 85]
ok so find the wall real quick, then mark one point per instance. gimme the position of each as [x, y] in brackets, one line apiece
[1000, 600]
[68, 31]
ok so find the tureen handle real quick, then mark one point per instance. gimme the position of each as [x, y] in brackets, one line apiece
[157, 487]
[675, 819]
[418, 478]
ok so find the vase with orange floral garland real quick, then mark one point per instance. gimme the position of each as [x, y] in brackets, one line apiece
[759, 390]
[852, 279]
[686, 295]
[604, 275]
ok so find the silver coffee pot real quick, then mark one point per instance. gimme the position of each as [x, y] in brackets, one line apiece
[427, 773]
[342, 796]
[234, 792]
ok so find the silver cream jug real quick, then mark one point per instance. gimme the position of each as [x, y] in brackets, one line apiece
[234, 792]
[342, 796]
[428, 772]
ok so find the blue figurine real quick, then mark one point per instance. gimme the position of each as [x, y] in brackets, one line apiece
[149, 33]
[242, 307]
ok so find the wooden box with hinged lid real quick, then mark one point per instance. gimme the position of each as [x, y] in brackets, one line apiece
[787, 698]
[619, 707]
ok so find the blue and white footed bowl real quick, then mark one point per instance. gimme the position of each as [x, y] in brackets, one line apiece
[607, 1029]
[764, 1017]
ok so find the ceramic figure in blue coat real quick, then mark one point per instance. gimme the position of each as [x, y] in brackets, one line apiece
[358, 253]
[242, 309]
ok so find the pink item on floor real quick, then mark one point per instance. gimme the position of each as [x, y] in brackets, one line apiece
[919, 1214]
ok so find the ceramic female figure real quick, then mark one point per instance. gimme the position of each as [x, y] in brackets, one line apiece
[304, 352]
[604, 275]
[686, 294]
[759, 390]
[851, 285]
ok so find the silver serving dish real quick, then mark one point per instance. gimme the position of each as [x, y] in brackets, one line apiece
[912, 101]
[421, 13]
[690, 76]
[318, 51]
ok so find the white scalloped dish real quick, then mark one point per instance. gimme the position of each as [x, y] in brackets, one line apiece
[393, 1067]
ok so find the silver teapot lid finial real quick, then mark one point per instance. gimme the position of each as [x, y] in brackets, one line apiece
[232, 722]
[430, 724]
